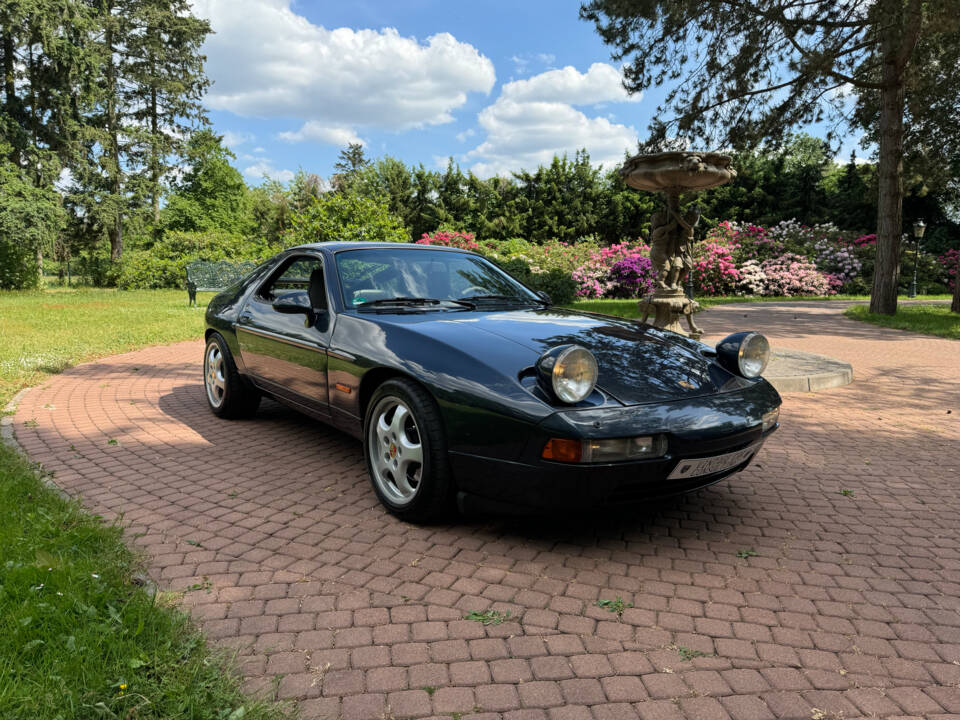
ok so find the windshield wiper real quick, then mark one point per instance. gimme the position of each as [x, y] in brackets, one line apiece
[412, 302]
[519, 298]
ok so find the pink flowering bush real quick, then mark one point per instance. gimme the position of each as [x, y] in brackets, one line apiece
[793, 274]
[593, 276]
[714, 270]
[462, 240]
[951, 263]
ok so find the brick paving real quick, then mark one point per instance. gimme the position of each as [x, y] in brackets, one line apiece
[850, 606]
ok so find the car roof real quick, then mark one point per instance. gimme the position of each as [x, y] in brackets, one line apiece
[340, 245]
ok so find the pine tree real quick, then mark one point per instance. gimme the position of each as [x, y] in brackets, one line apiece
[165, 70]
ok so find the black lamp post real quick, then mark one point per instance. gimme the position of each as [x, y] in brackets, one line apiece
[918, 227]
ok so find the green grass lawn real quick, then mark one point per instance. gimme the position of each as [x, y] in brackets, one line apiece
[628, 308]
[78, 639]
[926, 319]
[45, 332]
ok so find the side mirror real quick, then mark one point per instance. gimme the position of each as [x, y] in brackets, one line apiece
[292, 303]
[545, 296]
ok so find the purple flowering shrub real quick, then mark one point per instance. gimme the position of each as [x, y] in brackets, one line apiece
[631, 276]
[593, 276]
[838, 259]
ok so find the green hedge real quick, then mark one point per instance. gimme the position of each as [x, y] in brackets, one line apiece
[164, 265]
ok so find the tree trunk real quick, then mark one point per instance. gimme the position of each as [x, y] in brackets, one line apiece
[886, 275]
[155, 162]
[38, 257]
[955, 305]
[115, 232]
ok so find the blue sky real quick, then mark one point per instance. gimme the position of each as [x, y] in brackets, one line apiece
[499, 85]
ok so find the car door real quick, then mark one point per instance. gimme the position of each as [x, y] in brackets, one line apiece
[285, 353]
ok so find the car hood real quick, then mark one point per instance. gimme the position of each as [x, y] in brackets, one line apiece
[637, 363]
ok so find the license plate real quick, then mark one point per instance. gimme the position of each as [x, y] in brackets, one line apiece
[695, 467]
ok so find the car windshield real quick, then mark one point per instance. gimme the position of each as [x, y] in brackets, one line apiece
[370, 275]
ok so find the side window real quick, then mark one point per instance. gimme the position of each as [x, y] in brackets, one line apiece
[294, 274]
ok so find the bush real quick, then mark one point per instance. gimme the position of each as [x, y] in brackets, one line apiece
[593, 274]
[557, 284]
[633, 276]
[714, 271]
[454, 239]
[792, 275]
[950, 261]
[165, 264]
[345, 216]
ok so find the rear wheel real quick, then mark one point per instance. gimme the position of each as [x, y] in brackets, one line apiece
[229, 394]
[406, 452]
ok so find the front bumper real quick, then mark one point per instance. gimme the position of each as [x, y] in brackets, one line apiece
[701, 428]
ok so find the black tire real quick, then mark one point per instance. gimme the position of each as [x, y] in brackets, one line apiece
[229, 394]
[433, 492]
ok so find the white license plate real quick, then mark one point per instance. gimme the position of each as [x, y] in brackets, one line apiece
[695, 467]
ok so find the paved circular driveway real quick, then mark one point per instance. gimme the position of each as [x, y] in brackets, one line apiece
[843, 603]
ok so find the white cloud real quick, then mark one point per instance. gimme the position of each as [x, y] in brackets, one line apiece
[534, 119]
[264, 168]
[318, 132]
[234, 139]
[601, 83]
[266, 60]
[468, 133]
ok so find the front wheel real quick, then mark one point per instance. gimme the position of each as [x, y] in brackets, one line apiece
[406, 452]
[229, 394]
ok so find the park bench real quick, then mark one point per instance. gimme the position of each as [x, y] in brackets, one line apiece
[207, 276]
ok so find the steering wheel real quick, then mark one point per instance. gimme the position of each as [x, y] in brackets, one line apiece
[475, 290]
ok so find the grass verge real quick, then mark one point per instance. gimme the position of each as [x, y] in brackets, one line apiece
[926, 319]
[78, 639]
[628, 308]
[47, 331]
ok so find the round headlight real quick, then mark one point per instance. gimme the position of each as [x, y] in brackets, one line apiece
[572, 372]
[754, 355]
[745, 353]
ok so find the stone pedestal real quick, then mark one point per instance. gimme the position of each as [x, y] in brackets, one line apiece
[667, 306]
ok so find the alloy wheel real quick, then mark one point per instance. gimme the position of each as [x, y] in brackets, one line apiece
[396, 451]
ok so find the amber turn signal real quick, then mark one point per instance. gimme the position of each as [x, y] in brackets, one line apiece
[562, 450]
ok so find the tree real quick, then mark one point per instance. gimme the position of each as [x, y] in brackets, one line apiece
[350, 161]
[48, 71]
[750, 70]
[30, 217]
[167, 81]
[212, 194]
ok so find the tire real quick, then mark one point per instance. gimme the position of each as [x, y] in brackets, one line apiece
[229, 394]
[406, 453]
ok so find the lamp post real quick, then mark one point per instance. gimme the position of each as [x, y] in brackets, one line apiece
[918, 228]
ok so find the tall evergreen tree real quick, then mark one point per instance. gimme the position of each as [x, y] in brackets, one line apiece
[165, 72]
[47, 71]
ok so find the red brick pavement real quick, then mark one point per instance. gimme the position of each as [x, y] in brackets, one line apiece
[850, 607]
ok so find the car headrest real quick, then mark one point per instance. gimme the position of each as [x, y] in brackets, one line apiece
[317, 290]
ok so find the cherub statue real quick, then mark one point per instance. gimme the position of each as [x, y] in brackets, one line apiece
[662, 244]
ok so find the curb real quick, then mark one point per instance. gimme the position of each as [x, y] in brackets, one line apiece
[817, 372]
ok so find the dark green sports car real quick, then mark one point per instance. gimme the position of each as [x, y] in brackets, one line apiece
[467, 388]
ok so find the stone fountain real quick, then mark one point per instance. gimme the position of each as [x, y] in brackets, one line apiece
[671, 232]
